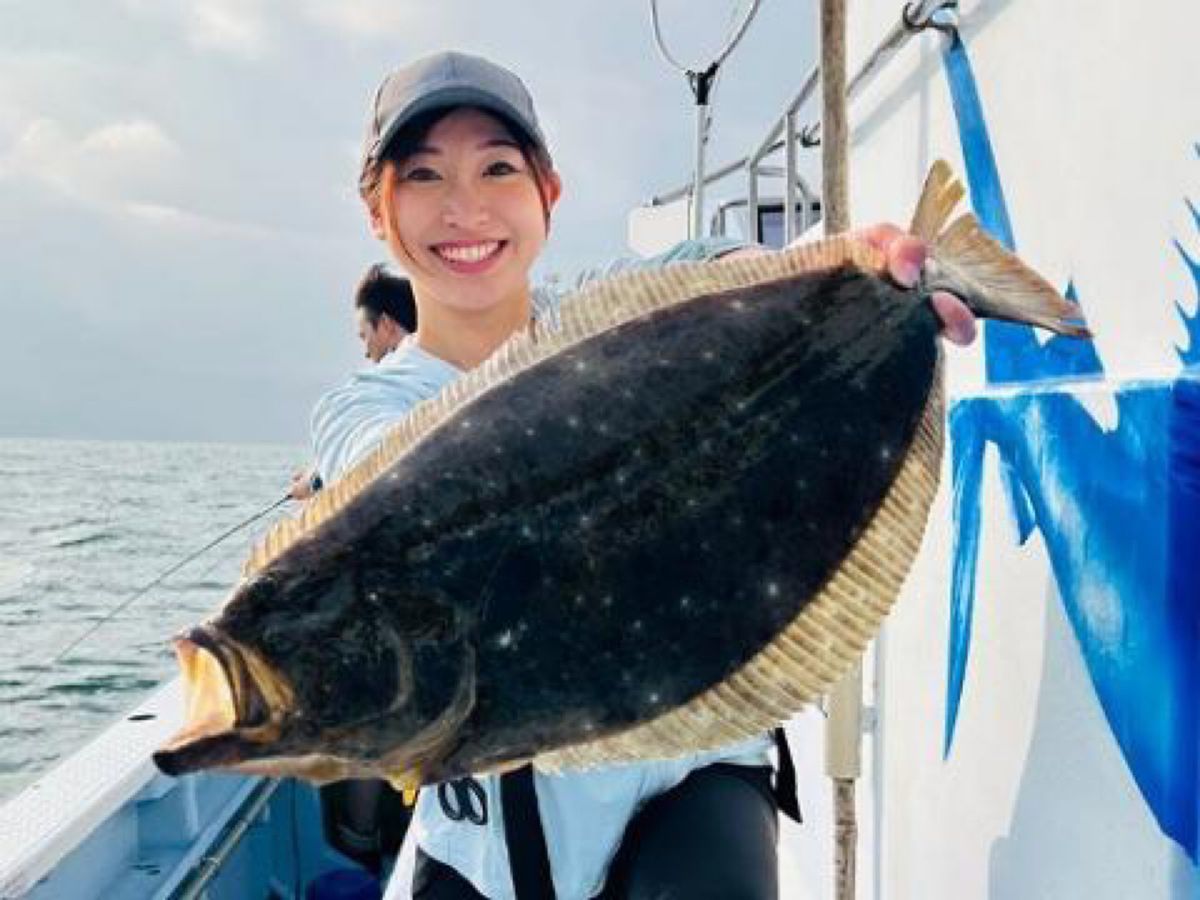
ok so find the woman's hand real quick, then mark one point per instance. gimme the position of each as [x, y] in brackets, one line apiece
[302, 486]
[905, 256]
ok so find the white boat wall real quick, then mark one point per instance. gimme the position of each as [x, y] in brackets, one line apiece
[105, 824]
[1037, 685]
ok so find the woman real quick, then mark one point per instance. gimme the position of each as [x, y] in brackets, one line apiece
[459, 183]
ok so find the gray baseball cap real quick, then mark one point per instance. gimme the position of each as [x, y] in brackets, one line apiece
[445, 80]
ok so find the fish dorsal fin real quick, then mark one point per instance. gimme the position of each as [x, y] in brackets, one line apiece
[940, 195]
[586, 313]
[816, 649]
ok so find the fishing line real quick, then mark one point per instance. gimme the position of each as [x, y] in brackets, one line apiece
[730, 43]
[159, 579]
[703, 84]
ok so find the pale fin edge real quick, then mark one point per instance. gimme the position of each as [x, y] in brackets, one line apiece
[594, 309]
[820, 645]
[940, 195]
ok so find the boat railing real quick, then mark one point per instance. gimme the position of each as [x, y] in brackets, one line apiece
[787, 134]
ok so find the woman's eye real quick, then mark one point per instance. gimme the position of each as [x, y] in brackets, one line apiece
[421, 173]
[500, 168]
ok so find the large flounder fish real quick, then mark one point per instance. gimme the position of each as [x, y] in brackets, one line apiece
[663, 527]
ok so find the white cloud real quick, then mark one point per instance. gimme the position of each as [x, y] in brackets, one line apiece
[238, 27]
[40, 152]
[138, 139]
[164, 215]
[381, 19]
[111, 164]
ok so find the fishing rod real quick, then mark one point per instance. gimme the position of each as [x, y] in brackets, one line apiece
[159, 579]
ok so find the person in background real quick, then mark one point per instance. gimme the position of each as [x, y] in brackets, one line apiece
[386, 313]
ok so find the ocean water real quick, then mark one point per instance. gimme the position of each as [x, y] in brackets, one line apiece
[83, 525]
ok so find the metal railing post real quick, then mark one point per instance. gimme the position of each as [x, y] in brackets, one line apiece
[789, 169]
[752, 202]
[697, 226]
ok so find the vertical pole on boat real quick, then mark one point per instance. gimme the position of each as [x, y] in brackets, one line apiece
[843, 729]
[701, 84]
[790, 226]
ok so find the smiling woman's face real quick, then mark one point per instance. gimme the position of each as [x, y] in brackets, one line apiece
[465, 216]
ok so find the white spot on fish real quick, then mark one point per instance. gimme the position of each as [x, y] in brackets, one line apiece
[885, 453]
[708, 355]
[466, 423]
[637, 624]
[581, 366]
[685, 602]
[372, 596]
[607, 601]
[584, 521]
[529, 432]
[573, 421]
[737, 304]
[526, 531]
[579, 599]
[772, 589]
[653, 697]
[504, 639]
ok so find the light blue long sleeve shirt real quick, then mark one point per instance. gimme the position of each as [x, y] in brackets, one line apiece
[584, 814]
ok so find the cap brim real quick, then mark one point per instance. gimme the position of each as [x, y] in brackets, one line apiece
[449, 97]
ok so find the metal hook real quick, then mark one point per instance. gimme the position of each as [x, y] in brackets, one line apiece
[808, 136]
[943, 17]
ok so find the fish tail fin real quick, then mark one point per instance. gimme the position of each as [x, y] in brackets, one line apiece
[968, 262]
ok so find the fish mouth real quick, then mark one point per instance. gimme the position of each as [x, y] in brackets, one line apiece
[227, 708]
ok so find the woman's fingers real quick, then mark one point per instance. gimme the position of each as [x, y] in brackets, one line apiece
[905, 256]
[958, 322]
[904, 253]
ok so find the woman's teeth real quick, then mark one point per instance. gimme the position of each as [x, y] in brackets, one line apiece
[469, 253]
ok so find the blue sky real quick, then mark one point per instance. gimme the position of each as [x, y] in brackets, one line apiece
[179, 230]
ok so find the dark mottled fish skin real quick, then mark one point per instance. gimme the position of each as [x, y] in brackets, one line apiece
[602, 537]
